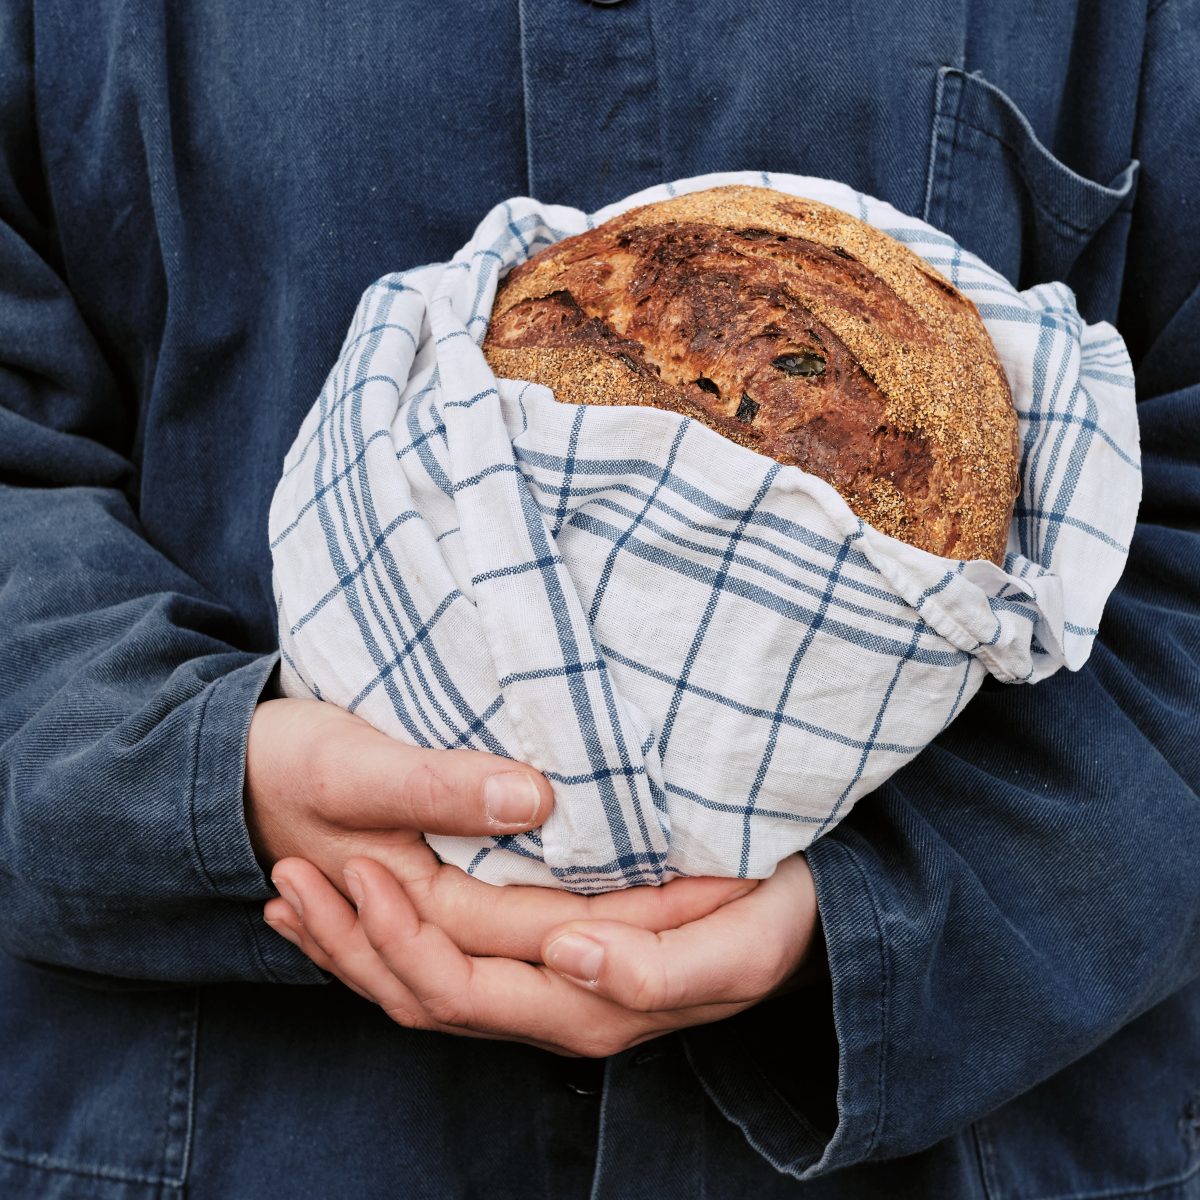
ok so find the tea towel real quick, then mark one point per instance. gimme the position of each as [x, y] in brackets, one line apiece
[708, 654]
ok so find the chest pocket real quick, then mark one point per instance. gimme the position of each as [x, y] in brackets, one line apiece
[995, 188]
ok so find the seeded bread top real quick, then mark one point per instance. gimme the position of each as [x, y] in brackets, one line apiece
[793, 329]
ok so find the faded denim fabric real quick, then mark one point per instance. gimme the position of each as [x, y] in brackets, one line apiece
[192, 199]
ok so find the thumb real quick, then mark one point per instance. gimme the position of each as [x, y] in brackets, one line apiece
[359, 778]
[738, 954]
[464, 792]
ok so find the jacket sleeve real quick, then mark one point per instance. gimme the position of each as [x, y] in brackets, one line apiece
[1029, 884]
[125, 691]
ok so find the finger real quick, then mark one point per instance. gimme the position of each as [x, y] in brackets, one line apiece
[738, 955]
[369, 780]
[327, 929]
[512, 922]
[671, 905]
[338, 945]
[280, 917]
[499, 997]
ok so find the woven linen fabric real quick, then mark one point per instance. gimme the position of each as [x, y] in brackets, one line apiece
[708, 654]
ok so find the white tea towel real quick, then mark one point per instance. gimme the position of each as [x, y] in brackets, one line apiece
[708, 654]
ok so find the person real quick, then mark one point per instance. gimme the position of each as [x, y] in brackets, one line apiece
[997, 953]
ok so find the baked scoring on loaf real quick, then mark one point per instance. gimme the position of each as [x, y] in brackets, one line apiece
[793, 329]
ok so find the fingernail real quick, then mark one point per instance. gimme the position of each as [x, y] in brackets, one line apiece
[286, 890]
[354, 886]
[575, 955]
[511, 798]
[283, 931]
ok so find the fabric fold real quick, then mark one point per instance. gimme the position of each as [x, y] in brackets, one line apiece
[708, 654]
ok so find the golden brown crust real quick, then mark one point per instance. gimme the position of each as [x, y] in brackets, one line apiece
[793, 329]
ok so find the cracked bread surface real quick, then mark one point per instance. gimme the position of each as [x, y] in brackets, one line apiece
[793, 329]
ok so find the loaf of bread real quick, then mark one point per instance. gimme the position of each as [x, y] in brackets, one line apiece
[793, 329]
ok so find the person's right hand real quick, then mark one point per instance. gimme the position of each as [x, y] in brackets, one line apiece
[324, 786]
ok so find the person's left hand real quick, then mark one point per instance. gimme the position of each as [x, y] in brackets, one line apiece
[599, 985]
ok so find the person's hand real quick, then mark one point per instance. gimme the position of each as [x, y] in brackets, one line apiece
[323, 785]
[594, 986]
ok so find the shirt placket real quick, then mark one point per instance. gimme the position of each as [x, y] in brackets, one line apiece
[652, 1123]
[592, 117]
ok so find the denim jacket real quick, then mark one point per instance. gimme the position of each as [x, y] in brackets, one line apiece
[192, 198]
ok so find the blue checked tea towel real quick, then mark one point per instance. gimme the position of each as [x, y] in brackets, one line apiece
[708, 654]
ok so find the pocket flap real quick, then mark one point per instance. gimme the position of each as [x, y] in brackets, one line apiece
[996, 188]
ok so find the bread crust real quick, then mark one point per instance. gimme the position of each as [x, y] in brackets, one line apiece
[791, 328]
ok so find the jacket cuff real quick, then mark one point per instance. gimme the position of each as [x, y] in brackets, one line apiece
[758, 1068]
[222, 841]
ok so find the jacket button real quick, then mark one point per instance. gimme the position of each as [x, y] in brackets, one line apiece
[605, 2]
[583, 1076]
[642, 1057]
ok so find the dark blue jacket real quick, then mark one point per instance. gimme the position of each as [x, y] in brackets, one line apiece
[192, 197]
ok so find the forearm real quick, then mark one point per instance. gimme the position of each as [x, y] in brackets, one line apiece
[125, 686]
[123, 717]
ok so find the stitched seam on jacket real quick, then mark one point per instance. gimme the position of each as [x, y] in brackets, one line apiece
[194, 784]
[939, 83]
[60, 1167]
[251, 925]
[181, 1098]
[658, 92]
[981, 1161]
[939, 162]
[985, 1157]
[525, 98]
[1122, 1193]
[1038, 201]
[884, 995]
